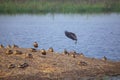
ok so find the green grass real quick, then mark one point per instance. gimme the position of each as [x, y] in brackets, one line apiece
[57, 6]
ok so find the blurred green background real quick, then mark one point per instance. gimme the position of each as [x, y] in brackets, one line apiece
[59, 6]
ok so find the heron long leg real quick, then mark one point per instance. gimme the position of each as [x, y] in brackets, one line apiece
[75, 42]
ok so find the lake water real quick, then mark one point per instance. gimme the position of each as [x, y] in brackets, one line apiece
[98, 34]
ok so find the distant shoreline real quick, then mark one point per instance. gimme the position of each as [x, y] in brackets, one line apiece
[54, 6]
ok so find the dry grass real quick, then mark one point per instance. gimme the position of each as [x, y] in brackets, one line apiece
[53, 66]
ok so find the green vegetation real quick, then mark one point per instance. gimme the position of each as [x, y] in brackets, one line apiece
[59, 6]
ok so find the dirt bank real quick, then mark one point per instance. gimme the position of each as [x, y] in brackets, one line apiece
[29, 64]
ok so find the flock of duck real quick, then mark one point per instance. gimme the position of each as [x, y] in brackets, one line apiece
[13, 50]
[9, 51]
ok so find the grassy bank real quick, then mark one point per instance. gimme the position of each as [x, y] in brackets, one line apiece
[59, 6]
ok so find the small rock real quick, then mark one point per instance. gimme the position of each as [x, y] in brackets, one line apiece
[24, 65]
[33, 50]
[17, 52]
[43, 52]
[35, 44]
[51, 49]
[9, 52]
[1, 46]
[11, 66]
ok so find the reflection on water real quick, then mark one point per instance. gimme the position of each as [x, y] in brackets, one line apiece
[98, 34]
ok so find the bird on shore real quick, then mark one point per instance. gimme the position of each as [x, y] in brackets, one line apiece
[71, 36]
[35, 44]
[104, 58]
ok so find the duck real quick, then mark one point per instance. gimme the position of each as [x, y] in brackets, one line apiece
[15, 46]
[65, 52]
[35, 44]
[81, 55]
[8, 46]
[33, 50]
[51, 49]
[9, 52]
[1, 46]
[24, 65]
[29, 55]
[17, 52]
[43, 52]
[104, 58]
[10, 66]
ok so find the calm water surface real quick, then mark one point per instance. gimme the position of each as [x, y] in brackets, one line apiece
[98, 34]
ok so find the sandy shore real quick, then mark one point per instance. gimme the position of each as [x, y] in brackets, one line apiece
[29, 64]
